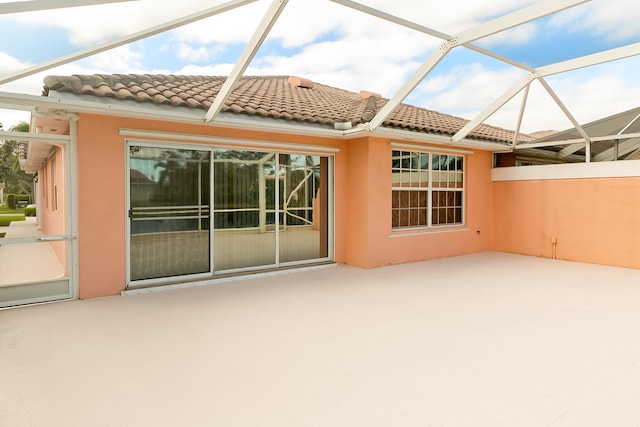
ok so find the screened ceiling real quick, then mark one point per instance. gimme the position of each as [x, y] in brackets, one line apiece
[523, 65]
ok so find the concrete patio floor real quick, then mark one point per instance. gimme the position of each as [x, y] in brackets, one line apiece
[17, 261]
[489, 339]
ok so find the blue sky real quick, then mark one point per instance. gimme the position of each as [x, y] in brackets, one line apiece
[338, 46]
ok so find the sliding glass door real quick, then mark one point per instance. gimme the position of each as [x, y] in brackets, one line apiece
[244, 209]
[200, 212]
[169, 227]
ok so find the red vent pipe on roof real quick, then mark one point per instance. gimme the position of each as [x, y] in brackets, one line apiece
[300, 82]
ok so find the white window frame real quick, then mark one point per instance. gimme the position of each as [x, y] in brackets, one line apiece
[429, 188]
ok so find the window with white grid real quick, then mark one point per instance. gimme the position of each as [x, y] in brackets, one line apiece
[427, 189]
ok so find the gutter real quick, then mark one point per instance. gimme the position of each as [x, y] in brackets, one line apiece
[132, 109]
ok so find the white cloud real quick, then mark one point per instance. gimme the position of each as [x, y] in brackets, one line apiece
[449, 17]
[613, 19]
[206, 70]
[197, 54]
[119, 60]
[516, 36]
[467, 89]
[91, 25]
[9, 64]
[27, 85]
[10, 118]
[599, 91]
[234, 26]
[589, 94]
[336, 45]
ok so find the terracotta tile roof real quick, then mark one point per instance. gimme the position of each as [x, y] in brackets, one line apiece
[277, 97]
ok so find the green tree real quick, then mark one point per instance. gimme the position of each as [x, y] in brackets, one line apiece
[16, 181]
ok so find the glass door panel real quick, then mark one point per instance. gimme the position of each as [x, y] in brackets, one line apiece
[169, 212]
[303, 205]
[244, 209]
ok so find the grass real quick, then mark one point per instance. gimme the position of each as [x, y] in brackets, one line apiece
[4, 209]
[6, 220]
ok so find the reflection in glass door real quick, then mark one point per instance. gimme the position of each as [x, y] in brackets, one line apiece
[303, 207]
[194, 213]
[168, 212]
[244, 209]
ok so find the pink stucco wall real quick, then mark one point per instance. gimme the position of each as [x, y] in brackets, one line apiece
[363, 235]
[53, 201]
[101, 193]
[370, 240]
[590, 220]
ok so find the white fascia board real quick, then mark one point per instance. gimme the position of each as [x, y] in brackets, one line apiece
[148, 111]
[106, 106]
[272, 125]
[427, 138]
[593, 170]
[128, 108]
[33, 137]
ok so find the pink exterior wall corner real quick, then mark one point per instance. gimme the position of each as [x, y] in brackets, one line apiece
[585, 220]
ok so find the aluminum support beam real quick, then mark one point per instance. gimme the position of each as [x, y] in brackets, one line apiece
[268, 21]
[619, 150]
[572, 149]
[579, 141]
[409, 86]
[571, 118]
[590, 60]
[391, 18]
[494, 106]
[170, 25]
[426, 30]
[35, 5]
[514, 19]
[575, 147]
[33, 137]
[523, 105]
[488, 28]
[624, 129]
